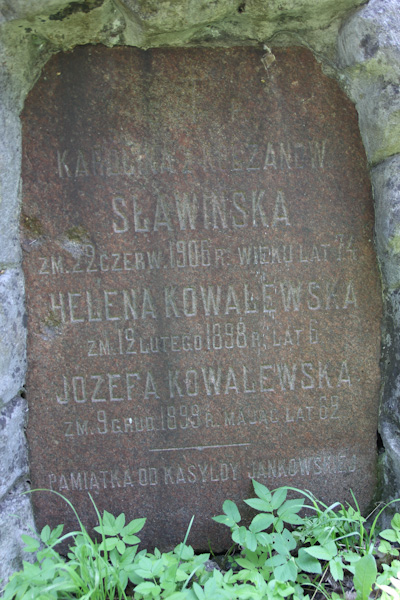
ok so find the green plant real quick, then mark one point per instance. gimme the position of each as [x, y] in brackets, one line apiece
[391, 592]
[365, 573]
[389, 581]
[88, 572]
[333, 539]
[391, 535]
[343, 524]
[290, 550]
[268, 545]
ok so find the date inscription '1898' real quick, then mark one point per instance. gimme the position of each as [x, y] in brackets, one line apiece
[203, 298]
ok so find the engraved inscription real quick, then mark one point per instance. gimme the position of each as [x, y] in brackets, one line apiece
[184, 416]
[129, 305]
[209, 381]
[194, 254]
[273, 469]
[137, 160]
[231, 211]
[215, 336]
[202, 291]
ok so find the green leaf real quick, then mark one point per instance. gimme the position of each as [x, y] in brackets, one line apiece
[131, 539]
[331, 547]
[308, 563]
[148, 587]
[180, 575]
[105, 529]
[32, 544]
[246, 564]
[108, 519]
[294, 506]
[262, 491]
[123, 579]
[56, 534]
[239, 535]
[386, 548]
[45, 534]
[108, 544]
[365, 572]
[185, 552]
[225, 520]
[395, 522]
[319, 552]
[388, 534]
[259, 504]
[119, 523]
[264, 539]
[143, 573]
[218, 577]
[336, 568]
[198, 591]
[261, 522]
[251, 541]
[120, 546]
[157, 567]
[276, 560]
[279, 497]
[133, 527]
[351, 557]
[231, 510]
[289, 540]
[286, 572]
[279, 544]
[278, 525]
[292, 519]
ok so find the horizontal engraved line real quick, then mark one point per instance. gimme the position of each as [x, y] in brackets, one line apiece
[198, 447]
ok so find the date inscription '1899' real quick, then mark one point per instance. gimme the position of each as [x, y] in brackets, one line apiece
[202, 291]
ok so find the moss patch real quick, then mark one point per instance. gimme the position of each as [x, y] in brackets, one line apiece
[77, 234]
[75, 7]
[52, 320]
[32, 226]
[394, 243]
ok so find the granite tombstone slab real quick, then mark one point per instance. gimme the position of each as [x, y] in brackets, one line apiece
[203, 298]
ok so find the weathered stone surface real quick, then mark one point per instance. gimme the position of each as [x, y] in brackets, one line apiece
[10, 166]
[20, 9]
[12, 334]
[227, 21]
[200, 275]
[389, 416]
[21, 62]
[371, 34]
[16, 515]
[389, 425]
[369, 53]
[386, 184]
[14, 465]
[25, 45]
[62, 25]
[15, 520]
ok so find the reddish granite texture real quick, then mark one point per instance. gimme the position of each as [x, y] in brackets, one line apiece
[203, 296]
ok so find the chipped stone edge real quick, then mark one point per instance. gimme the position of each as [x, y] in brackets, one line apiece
[365, 66]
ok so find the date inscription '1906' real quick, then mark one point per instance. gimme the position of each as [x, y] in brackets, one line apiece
[202, 291]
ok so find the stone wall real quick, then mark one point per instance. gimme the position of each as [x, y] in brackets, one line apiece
[357, 43]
